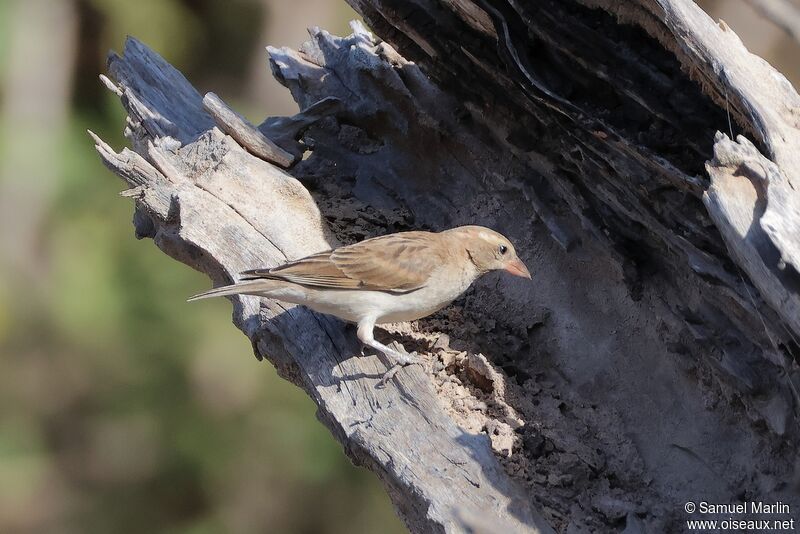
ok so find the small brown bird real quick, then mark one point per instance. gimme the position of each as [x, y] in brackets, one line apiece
[392, 278]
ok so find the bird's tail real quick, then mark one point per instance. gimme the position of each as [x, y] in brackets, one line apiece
[246, 287]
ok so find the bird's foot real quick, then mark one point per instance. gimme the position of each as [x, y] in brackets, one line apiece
[388, 375]
[405, 358]
[401, 358]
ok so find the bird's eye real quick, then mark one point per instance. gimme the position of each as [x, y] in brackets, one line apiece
[503, 249]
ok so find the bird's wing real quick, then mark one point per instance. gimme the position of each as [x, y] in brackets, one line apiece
[398, 262]
[317, 270]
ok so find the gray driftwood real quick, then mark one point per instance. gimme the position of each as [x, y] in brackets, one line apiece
[209, 203]
[654, 358]
[245, 133]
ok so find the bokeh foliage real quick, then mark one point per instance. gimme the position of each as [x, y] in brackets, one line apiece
[122, 407]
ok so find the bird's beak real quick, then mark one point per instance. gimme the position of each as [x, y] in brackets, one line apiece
[517, 268]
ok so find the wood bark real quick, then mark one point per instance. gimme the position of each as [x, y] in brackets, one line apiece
[652, 361]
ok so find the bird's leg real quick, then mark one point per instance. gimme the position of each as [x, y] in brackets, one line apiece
[365, 335]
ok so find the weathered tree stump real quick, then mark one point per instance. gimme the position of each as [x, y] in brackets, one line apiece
[652, 361]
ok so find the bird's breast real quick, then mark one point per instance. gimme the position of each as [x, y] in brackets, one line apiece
[443, 288]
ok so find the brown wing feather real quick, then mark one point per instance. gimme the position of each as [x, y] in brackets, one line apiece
[317, 270]
[398, 262]
[401, 261]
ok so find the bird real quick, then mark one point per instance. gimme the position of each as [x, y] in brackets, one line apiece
[392, 278]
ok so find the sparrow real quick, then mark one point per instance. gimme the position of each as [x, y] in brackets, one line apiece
[388, 279]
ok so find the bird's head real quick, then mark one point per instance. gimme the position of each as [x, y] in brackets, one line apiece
[491, 251]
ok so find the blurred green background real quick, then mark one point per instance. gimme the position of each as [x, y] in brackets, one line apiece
[122, 407]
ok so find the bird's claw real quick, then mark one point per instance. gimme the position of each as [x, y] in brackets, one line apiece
[388, 375]
[403, 359]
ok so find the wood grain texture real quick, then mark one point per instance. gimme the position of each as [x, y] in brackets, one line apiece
[632, 173]
[209, 203]
[245, 133]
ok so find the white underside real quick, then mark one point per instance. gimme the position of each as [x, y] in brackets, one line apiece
[379, 306]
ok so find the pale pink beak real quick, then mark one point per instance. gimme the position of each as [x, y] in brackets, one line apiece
[517, 268]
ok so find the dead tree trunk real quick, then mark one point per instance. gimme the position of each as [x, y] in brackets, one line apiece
[653, 361]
